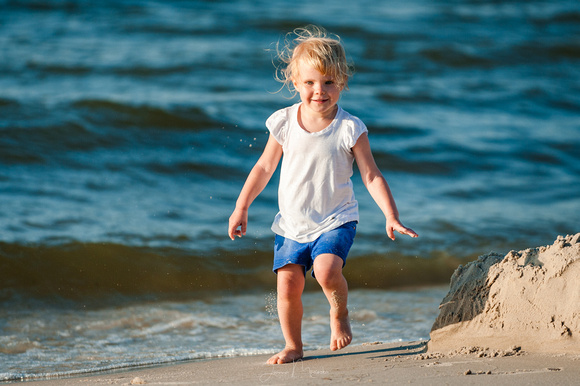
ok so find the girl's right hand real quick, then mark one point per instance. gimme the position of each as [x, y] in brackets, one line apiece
[238, 223]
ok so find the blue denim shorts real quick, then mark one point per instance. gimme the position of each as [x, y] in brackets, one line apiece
[337, 241]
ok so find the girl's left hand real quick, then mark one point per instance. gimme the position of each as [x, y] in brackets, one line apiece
[397, 226]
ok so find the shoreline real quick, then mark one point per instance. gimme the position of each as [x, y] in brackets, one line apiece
[394, 363]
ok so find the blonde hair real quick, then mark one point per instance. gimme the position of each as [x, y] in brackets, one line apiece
[314, 46]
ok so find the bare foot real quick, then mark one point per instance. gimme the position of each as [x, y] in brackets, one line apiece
[285, 356]
[340, 332]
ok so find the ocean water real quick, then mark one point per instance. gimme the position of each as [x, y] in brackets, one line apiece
[127, 129]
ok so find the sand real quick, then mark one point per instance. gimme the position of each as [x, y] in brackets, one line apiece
[511, 320]
[529, 299]
[401, 363]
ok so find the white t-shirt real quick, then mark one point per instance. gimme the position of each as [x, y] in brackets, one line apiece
[315, 193]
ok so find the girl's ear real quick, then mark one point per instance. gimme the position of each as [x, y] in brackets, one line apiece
[295, 83]
[344, 83]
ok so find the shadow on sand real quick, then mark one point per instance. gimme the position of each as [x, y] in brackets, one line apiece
[404, 350]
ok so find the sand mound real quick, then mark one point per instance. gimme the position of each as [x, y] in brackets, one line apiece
[529, 299]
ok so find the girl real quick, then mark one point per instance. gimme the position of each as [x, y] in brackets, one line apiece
[316, 224]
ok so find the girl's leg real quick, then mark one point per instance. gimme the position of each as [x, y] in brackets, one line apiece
[290, 287]
[328, 271]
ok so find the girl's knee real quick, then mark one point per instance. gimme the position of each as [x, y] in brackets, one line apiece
[290, 282]
[289, 291]
[330, 279]
[328, 270]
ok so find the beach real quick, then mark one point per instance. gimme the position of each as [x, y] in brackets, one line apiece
[128, 128]
[401, 363]
[510, 340]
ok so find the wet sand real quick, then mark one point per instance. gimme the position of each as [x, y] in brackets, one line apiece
[400, 363]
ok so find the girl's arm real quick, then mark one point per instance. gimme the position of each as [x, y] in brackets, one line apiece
[378, 187]
[255, 183]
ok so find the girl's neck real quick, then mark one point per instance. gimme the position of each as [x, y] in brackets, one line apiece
[313, 123]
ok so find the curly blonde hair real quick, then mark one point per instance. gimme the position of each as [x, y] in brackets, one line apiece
[316, 47]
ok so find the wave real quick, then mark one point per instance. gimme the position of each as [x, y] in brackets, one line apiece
[96, 272]
[36, 134]
[454, 57]
[119, 114]
[140, 71]
[102, 113]
[572, 17]
[203, 168]
[30, 376]
[396, 163]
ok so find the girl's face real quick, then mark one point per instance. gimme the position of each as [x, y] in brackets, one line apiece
[319, 93]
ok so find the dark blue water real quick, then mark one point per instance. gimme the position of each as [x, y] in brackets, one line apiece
[127, 129]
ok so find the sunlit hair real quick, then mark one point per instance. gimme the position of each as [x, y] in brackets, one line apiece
[315, 47]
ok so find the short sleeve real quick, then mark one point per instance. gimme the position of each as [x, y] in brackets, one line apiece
[277, 124]
[356, 128]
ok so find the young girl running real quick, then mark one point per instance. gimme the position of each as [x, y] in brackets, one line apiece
[316, 224]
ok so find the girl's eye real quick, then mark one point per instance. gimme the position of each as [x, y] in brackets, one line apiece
[329, 82]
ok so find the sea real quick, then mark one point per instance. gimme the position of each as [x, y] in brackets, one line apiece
[128, 127]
